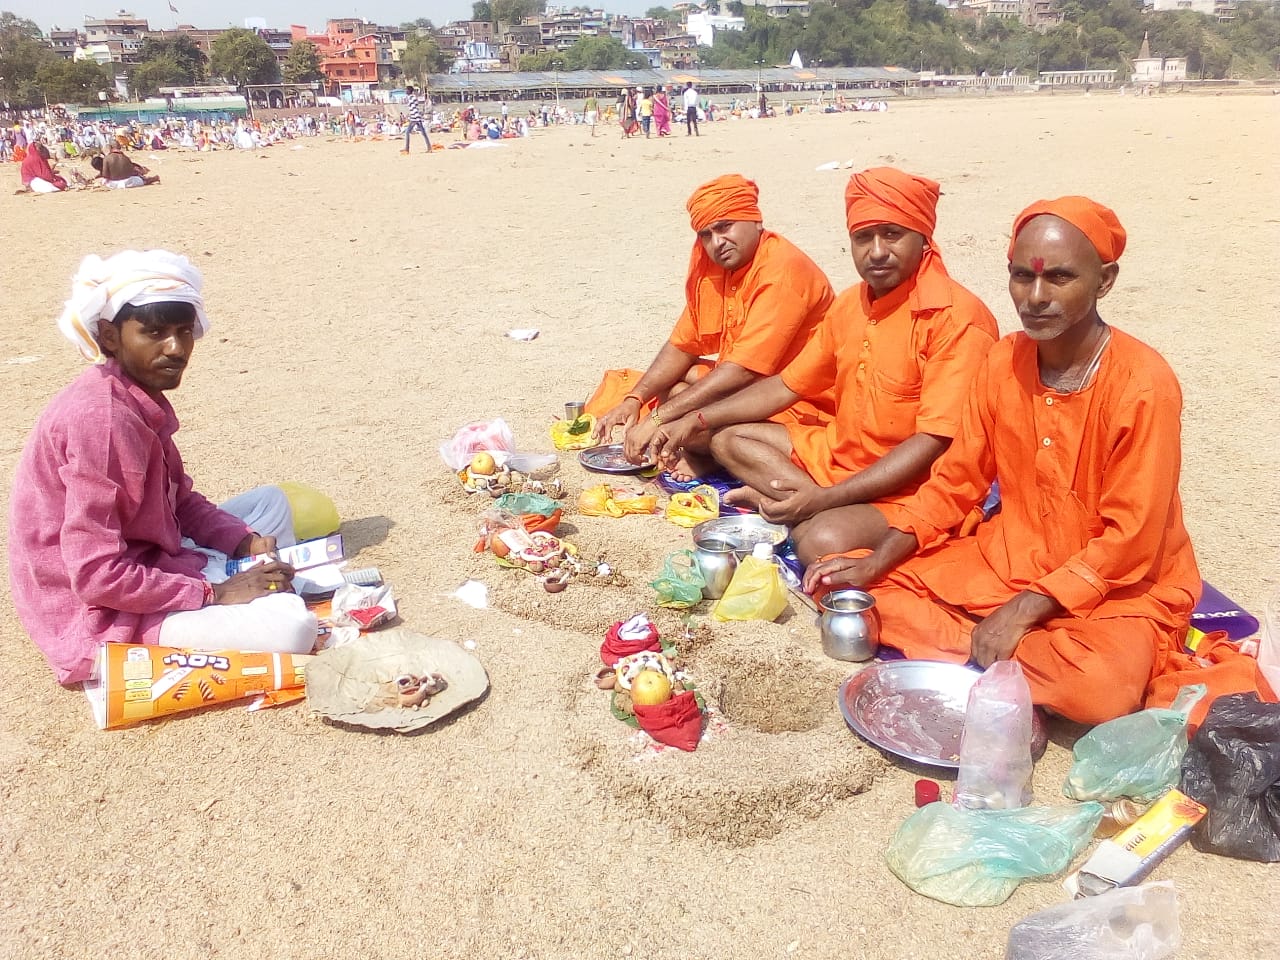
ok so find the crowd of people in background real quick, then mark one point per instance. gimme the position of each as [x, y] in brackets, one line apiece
[43, 140]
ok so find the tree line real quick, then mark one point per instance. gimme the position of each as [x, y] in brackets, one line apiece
[920, 34]
[917, 34]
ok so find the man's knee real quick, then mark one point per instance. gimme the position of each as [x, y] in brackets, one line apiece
[840, 530]
[1089, 671]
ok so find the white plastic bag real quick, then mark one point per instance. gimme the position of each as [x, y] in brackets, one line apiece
[1128, 923]
[493, 436]
[1269, 647]
[995, 750]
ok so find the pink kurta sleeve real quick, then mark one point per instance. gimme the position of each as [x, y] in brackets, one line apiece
[204, 523]
[104, 474]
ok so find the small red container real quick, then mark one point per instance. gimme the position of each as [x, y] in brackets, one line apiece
[927, 792]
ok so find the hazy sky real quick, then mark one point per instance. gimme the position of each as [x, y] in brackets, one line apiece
[67, 14]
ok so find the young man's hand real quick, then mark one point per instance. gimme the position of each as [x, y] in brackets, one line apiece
[259, 581]
[255, 545]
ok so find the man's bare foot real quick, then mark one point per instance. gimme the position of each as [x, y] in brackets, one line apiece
[745, 497]
[690, 466]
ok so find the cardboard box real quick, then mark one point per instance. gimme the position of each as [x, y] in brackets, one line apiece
[1128, 857]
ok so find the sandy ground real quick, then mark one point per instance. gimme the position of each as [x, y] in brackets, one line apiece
[360, 301]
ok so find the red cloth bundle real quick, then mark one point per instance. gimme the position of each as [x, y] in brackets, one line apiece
[677, 723]
[615, 648]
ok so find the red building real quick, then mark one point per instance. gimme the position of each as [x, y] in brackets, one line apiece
[348, 55]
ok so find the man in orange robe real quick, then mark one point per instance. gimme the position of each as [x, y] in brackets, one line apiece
[752, 300]
[1086, 576]
[898, 352]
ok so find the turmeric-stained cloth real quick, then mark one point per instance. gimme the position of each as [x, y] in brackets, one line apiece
[1090, 516]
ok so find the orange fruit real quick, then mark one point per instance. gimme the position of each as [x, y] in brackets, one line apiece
[498, 546]
[650, 688]
[483, 464]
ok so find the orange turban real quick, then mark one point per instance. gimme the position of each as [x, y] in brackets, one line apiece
[886, 195]
[1100, 224]
[731, 197]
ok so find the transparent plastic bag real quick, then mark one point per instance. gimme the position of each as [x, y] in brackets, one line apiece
[1128, 923]
[995, 750]
[977, 858]
[1137, 756]
[756, 591]
[680, 583]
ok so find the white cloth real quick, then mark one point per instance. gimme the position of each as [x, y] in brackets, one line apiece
[690, 98]
[43, 186]
[278, 624]
[126, 183]
[101, 288]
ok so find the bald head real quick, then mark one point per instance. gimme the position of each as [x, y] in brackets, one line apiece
[1056, 277]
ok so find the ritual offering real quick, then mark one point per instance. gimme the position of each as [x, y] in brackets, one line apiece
[554, 561]
[653, 694]
[623, 639]
[485, 475]
[606, 501]
[610, 458]
[575, 434]
[394, 680]
[688, 509]
[137, 682]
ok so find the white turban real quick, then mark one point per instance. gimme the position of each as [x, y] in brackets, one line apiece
[101, 288]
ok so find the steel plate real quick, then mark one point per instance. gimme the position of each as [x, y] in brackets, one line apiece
[912, 708]
[743, 531]
[609, 458]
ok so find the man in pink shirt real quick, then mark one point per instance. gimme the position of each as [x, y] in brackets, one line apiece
[108, 541]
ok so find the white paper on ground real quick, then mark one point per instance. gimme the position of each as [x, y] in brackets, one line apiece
[474, 594]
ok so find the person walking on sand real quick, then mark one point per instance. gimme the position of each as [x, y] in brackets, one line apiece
[662, 112]
[690, 100]
[413, 104]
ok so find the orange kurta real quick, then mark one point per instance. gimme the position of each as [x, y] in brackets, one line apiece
[1090, 516]
[898, 365]
[759, 317]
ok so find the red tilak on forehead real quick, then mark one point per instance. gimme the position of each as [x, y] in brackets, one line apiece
[1037, 264]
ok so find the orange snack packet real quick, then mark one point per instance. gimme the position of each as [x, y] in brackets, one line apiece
[137, 682]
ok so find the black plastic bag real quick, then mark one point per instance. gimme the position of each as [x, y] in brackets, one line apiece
[1232, 766]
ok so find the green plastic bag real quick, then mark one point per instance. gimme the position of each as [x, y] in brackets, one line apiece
[520, 503]
[1137, 756]
[680, 583]
[977, 858]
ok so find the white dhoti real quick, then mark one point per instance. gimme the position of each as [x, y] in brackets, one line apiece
[126, 184]
[280, 623]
